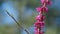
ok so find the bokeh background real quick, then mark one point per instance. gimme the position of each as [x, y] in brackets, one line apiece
[24, 12]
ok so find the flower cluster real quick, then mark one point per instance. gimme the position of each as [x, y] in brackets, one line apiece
[39, 24]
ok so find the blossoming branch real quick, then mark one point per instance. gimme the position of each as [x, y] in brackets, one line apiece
[39, 24]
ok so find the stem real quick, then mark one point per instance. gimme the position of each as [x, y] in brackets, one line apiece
[17, 22]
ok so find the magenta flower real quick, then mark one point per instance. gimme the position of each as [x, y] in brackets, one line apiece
[37, 31]
[42, 1]
[46, 1]
[38, 9]
[49, 2]
[41, 9]
[45, 9]
[40, 17]
[39, 24]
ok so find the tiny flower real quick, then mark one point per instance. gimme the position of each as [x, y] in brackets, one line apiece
[37, 31]
[49, 2]
[45, 9]
[41, 9]
[46, 1]
[38, 9]
[39, 24]
[42, 1]
[40, 17]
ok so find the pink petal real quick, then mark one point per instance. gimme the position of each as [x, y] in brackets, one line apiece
[40, 17]
[49, 3]
[39, 24]
[38, 9]
[38, 31]
[42, 1]
[46, 9]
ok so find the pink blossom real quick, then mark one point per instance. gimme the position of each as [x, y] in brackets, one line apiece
[42, 1]
[46, 1]
[45, 9]
[40, 17]
[41, 9]
[38, 9]
[49, 2]
[39, 24]
[37, 31]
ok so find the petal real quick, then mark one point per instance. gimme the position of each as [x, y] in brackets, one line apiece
[45, 9]
[39, 24]
[42, 1]
[38, 17]
[38, 9]
[49, 3]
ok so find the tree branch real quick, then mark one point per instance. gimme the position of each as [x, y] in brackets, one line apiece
[17, 22]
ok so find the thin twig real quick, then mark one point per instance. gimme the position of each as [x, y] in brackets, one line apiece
[20, 26]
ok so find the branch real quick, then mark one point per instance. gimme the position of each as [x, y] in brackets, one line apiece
[17, 22]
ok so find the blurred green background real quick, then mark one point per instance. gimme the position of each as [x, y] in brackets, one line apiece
[24, 12]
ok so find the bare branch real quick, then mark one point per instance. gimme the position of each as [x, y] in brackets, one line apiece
[20, 26]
